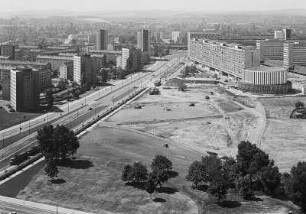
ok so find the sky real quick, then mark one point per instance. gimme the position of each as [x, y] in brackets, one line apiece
[117, 5]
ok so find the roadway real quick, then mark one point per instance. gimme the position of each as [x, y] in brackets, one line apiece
[76, 112]
[7, 207]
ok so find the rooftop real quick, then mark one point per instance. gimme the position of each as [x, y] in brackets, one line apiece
[68, 58]
[229, 45]
[264, 68]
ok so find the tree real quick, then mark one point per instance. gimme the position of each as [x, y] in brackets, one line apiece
[299, 104]
[135, 173]
[213, 166]
[104, 75]
[51, 169]
[250, 159]
[59, 142]
[161, 166]
[245, 187]
[121, 73]
[66, 141]
[270, 179]
[298, 194]
[197, 173]
[151, 186]
[161, 163]
[219, 186]
[126, 173]
[46, 141]
[49, 98]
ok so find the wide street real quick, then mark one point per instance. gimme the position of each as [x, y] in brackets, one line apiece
[77, 112]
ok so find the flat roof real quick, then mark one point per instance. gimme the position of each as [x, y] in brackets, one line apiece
[264, 68]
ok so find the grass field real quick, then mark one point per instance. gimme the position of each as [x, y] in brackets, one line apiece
[13, 118]
[93, 182]
[280, 108]
[284, 138]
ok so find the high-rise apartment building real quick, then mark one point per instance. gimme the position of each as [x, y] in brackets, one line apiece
[226, 58]
[143, 40]
[175, 35]
[7, 49]
[24, 89]
[82, 70]
[101, 40]
[270, 49]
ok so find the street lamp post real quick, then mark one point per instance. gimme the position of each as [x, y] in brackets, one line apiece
[29, 125]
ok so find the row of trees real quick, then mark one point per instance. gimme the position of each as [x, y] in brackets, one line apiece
[56, 143]
[251, 171]
[161, 172]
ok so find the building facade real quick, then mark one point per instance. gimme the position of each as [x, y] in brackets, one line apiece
[82, 71]
[265, 80]
[231, 59]
[24, 89]
[143, 40]
[270, 49]
[101, 40]
[55, 61]
[204, 35]
[294, 54]
[7, 49]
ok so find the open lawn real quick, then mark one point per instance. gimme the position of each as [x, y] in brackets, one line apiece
[284, 138]
[93, 181]
[10, 119]
[284, 141]
[280, 108]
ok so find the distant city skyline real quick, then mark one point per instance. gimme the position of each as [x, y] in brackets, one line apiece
[117, 5]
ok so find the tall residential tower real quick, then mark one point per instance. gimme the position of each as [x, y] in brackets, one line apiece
[143, 40]
[101, 40]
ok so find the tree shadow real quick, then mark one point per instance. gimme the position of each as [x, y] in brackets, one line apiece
[58, 181]
[229, 204]
[75, 164]
[254, 199]
[172, 174]
[159, 200]
[138, 185]
[167, 190]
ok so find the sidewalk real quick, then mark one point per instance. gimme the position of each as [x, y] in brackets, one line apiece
[44, 207]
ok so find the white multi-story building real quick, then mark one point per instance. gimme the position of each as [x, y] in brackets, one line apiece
[175, 36]
[125, 57]
[265, 75]
[231, 59]
[77, 75]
